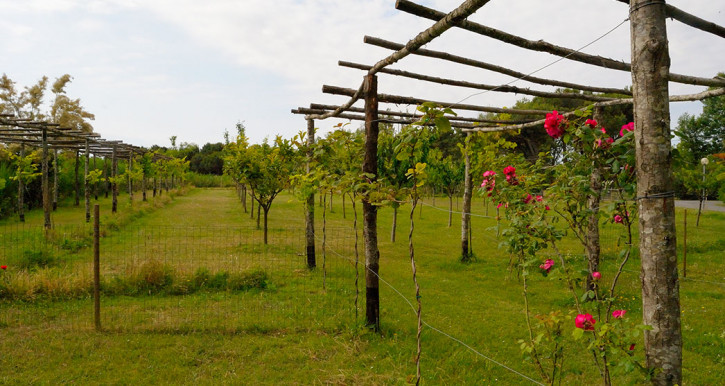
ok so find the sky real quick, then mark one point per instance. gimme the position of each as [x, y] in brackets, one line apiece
[153, 69]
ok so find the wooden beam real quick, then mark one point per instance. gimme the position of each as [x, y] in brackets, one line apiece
[459, 14]
[542, 46]
[691, 20]
[624, 101]
[479, 86]
[495, 68]
[417, 116]
[416, 101]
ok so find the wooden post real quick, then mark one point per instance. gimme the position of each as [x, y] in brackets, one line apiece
[21, 189]
[95, 185]
[593, 247]
[310, 214]
[96, 268]
[55, 179]
[130, 180]
[467, 194]
[114, 183]
[106, 174]
[370, 212]
[76, 184]
[45, 183]
[143, 179]
[658, 240]
[86, 185]
[684, 246]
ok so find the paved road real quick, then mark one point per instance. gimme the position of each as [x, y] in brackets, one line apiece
[717, 206]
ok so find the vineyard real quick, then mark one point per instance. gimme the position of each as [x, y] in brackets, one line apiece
[441, 241]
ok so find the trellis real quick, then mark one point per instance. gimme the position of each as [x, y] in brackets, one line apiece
[51, 136]
[649, 48]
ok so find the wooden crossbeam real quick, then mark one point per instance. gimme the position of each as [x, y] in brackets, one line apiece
[542, 46]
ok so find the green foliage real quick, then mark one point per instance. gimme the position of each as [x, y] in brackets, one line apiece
[38, 258]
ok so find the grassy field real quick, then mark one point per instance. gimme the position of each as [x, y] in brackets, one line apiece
[294, 332]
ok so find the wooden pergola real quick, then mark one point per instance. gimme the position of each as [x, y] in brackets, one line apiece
[649, 96]
[51, 136]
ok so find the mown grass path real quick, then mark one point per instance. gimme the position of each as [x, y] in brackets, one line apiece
[479, 303]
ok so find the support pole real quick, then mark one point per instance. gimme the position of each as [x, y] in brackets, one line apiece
[130, 180]
[96, 268]
[467, 194]
[76, 183]
[593, 247]
[45, 183]
[114, 183]
[658, 240]
[310, 214]
[86, 185]
[370, 212]
[55, 179]
[21, 189]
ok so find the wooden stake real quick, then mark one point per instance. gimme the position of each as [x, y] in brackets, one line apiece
[45, 183]
[310, 214]
[370, 211]
[86, 185]
[96, 268]
[21, 190]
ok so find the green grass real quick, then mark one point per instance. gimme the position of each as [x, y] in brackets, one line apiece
[294, 332]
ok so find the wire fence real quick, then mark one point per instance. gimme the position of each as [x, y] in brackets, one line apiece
[174, 278]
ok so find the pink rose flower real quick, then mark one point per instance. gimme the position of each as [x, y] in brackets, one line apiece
[585, 322]
[604, 131]
[555, 124]
[591, 123]
[627, 127]
[596, 275]
[528, 198]
[618, 314]
[509, 170]
[546, 267]
[538, 198]
[618, 219]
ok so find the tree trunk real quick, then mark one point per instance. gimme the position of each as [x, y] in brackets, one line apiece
[156, 184]
[266, 211]
[658, 253]
[259, 207]
[370, 211]
[450, 209]
[310, 206]
[395, 223]
[251, 204]
[21, 190]
[466, 215]
[331, 201]
[344, 216]
[45, 183]
[244, 197]
[76, 182]
[143, 188]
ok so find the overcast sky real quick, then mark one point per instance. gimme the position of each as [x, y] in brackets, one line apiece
[151, 69]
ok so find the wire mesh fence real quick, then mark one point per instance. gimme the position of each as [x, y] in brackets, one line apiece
[175, 278]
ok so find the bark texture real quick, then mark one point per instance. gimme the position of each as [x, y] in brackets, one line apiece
[660, 284]
[310, 213]
[370, 211]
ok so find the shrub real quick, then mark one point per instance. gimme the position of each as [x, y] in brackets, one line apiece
[34, 259]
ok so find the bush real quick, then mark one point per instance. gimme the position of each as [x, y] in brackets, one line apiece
[35, 259]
